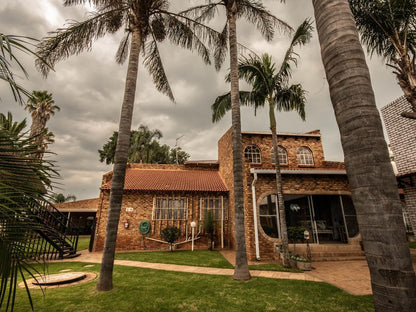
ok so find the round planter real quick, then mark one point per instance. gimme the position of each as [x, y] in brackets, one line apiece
[304, 266]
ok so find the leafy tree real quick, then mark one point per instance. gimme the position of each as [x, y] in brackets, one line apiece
[255, 13]
[170, 235]
[372, 181]
[145, 22]
[388, 28]
[61, 198]
[23, 184]
[144, 148]
[41, 107]
[271, 87]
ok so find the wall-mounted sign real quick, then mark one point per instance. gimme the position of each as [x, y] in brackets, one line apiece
[129, 209]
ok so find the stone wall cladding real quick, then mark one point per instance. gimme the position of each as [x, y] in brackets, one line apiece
[142, 204]
[402, 135]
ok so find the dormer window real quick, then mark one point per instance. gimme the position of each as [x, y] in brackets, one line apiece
[282, 154]
[305, 156]
[252, 154]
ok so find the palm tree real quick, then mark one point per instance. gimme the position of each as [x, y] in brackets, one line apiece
[254, 12]
[271, 87]
[61, 198]
[372, 181]
[388, 28]
[9, 44]
[141, 144]
[41, 107]
[146, 22]
[23, 182]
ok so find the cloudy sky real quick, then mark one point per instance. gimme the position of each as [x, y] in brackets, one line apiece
[89, 89]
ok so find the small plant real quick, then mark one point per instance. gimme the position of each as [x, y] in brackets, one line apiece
[209, 227]
[295, 233]
[171, 235]
[299, 258]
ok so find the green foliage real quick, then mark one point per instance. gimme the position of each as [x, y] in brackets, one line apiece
[171, 235]
[61, 198]
[295, 233]
[209, 228]
[23, 186]
[144, 148]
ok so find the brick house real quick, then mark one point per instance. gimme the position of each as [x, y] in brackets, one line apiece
[316, 194]
[402, 136]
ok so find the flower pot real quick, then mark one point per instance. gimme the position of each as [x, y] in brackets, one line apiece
[304, 266]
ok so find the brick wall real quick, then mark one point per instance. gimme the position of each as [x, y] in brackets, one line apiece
[142, 204]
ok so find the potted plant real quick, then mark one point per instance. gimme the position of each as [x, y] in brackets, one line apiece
[295, 233]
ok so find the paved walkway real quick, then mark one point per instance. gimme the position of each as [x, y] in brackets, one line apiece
[351, 276]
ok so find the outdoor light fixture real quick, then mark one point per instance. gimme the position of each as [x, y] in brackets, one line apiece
[306, 235]
[126, 224]
[193, 226]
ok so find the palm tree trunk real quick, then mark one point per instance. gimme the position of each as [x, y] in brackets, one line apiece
[372, 181]
[280, 201]
[105, 281]
[241, 271]
[36, 130]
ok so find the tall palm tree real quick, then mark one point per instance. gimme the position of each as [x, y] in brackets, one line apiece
[388, 28]
[371, 177]
[141, 143]
[255, 12]
[146, 22]
[272, 87]
[41, 106]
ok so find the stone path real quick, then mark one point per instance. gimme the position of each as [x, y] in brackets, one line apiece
[351, 276]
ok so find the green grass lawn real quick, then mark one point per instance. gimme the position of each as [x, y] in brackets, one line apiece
[273, 267]
[146, 290]
[204, 258]
[83, 243]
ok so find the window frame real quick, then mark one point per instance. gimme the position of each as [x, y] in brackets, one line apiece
[284, 154]
[222, 208]
[304, 156]
[171, 208]
[253, 154]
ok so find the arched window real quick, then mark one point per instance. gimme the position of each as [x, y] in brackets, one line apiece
[305, 156]
[268, 213]
[282, 154]
[252, 154]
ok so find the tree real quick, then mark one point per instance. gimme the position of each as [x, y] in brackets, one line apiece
[171, 235]
[61, 198]
[388, 28]
[41, 106]
[372, 181]
[23, 182]
[146, 22]
[209, 228]
[144, 148]
[8, 45]
[255, 13]
[271, 87]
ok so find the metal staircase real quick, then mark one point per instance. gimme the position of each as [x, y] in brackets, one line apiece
[54, 236]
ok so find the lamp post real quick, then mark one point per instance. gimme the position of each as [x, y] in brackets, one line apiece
[193, 226]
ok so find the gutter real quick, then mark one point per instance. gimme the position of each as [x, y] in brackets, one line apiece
[256, 230]
[299, 171]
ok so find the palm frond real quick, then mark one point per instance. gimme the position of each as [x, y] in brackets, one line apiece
[291, 98]
[202, 13]
[77, 37]
[222, 103]
[255, 12]
[221, 48]
[123, 49]
[154, 65]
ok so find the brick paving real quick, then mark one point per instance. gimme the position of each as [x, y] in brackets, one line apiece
[351, 276]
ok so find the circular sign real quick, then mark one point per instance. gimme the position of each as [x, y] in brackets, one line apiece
[144, 227]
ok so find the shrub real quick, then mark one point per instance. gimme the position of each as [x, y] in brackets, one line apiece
[171, 235]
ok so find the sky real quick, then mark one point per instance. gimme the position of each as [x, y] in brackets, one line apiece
[89, 90]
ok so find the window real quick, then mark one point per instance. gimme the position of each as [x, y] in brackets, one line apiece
[282, 154]
[268, 213]
[170, 208]
[217, 205]
[305, 156]
[252, 154]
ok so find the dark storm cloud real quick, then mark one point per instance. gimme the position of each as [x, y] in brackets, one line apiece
[89, 89]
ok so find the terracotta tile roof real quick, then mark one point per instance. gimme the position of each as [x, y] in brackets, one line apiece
[172, 180]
